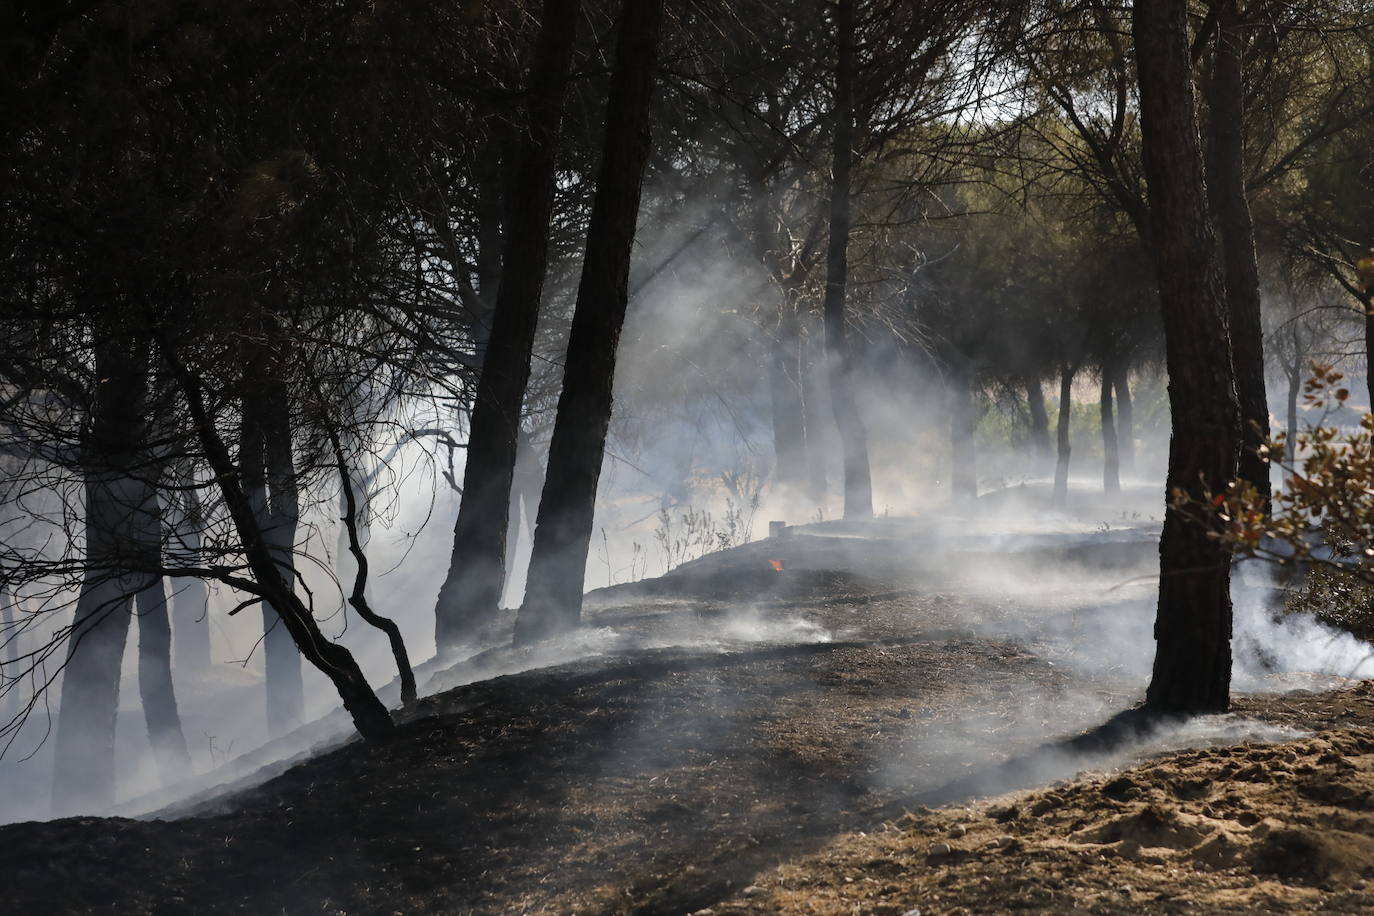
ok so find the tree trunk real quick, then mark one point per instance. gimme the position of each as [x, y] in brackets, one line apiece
[1039, 426]
[813, 413]
[1061, 465]
[1125, 418]
[1111, 458]
[491, 201]
[333, 660]
[190, 596]
[471, 592]
[963, 425]
[9, 628]
[1294, 386]
[785, 386]
[1231, 209]
[1192, 668]
[562, 535]
[526, 483]
[269, 484]
[83, 776]
[155, 658]
[858, 484]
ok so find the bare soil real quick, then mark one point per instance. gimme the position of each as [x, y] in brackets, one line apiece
[824, 739]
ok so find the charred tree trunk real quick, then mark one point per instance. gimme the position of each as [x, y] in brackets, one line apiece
[1192, 668]
[813, 413]
[491, 200]
[83, 776]
[1293, 373]
[789, 422]
[1231, 210]
[524, 502]
[155, 654]
[1061, 464]
[963, 426]
[471, 592]
[9, 630]
[358, 596]
[1111, 457]
[269, 482]
[1125, 417]
[858, 484]
[1039, 426]
[562, 535]
[331, 659]
[190, 596]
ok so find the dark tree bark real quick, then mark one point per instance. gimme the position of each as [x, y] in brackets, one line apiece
[813, 413]
[155, 665]
[1039, 425]
[9, 628]
[1293, 374]
[963, 426]
[1231, 210]
[269, 481]
[858, 484]
[1125, 417]
[190, 596]
[785, 387]
[1111, 458]
[116, 501]
[562, 535]
[1192, 668]
[471, 592]
[526, 483]
[370, 717]
[358, 596]
[1061, 464]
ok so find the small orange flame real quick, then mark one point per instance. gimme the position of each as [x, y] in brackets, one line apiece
[777, 565]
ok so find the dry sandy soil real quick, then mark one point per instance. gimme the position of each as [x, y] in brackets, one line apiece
[847, 735]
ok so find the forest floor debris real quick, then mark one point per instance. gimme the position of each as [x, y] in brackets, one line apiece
[744, 773]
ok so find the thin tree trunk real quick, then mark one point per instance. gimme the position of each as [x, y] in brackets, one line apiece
[1039, 426]
[471, 592]
[1192, 668]
[1231, 209]
[333, 660]
[858, 484]
[813, 413]
[358, 597]
[1294, 386]
[190, 596]
[269, 484]
[155, 662]
[789, 424]
[526, 483]
[10, 625]
[963, 425]
[1111, 458]
[491, 201]
[1125, 418]
[83, 775]
[1061, 465]
[562, 536]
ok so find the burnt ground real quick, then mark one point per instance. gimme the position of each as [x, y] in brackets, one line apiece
[804, 741]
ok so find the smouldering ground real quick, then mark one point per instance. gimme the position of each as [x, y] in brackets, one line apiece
[801, 721]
